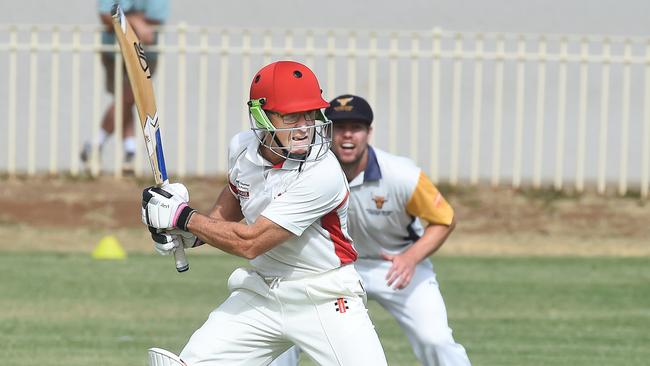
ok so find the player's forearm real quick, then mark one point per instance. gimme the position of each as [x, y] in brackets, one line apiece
[248, 241]
[433, 238]
[231, 237]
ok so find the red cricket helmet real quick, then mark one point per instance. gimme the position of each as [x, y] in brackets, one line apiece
[287, 87]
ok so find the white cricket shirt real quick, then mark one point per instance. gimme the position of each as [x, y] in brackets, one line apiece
[308, 199]
[387, 201]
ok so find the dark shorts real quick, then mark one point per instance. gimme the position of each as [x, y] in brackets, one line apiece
[108, 60]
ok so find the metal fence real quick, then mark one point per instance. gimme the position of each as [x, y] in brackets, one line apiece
[557, 111]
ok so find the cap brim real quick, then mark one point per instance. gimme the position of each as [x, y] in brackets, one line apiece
[347, 116]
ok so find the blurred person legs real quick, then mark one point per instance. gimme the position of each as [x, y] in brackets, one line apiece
[108, 120]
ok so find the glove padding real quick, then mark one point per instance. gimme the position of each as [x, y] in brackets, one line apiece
[166, 207]
[166, 241]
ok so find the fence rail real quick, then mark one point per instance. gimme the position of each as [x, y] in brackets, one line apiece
[563, 111]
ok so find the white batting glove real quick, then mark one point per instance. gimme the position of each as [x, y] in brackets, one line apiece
[166, 241]
[166, 207]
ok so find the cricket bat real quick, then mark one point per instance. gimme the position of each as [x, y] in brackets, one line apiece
[139, 74]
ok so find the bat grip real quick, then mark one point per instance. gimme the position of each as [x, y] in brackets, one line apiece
[179, 256]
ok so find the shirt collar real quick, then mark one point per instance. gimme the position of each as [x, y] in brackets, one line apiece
[372, 171]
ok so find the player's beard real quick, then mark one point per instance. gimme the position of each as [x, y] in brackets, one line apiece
[354, 164]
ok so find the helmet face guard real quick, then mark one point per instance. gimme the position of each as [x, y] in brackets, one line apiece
[319, 135]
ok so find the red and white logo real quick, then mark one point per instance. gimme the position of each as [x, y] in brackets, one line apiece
[341, 305]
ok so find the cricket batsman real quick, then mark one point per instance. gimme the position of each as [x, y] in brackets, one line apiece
[301, 288]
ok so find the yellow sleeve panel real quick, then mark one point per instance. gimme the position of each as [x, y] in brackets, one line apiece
[428, 204]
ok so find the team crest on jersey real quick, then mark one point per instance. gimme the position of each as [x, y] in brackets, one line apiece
[380, 205]
[379, 201]
[243, 189]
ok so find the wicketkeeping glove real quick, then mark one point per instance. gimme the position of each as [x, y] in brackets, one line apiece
[166, 241]
[166, 207]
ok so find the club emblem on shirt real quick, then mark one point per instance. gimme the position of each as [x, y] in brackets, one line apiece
[379, 201]
[341, 305]
[243, 189]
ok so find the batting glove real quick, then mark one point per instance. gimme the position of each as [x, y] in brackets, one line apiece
[166, 241]
[166, 207]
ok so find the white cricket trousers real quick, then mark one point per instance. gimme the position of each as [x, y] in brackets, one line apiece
[419, 309]
[324, 315]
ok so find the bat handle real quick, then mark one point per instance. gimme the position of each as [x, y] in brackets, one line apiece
[179, 257]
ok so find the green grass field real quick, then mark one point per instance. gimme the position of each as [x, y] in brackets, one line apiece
[67, 309]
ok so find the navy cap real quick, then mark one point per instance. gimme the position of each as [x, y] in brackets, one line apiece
[349, 107]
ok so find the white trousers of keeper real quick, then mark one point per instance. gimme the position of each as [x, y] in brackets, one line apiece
[419, 309]
[262, 318]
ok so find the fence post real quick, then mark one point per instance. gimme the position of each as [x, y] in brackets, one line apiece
[498, 111]
[625, 118]
[519, 111]
[645, 160]
[331, 64]
[246, 76]
[11, 129]
[309, 49]
[54, 101]
[415, 95]
[539, 121]
[352, 63]
[33, 94]
[288, 44]
[223, 101]
[76, 102]
[267, 48]
[561, 115]
[203, 91]
[477, 108]
[94, 161]
[392, 93]
[435, 105]
[455, 108]
[372, 70]
[181, 100]
[582, 114]
[604, 118]
[372, 74]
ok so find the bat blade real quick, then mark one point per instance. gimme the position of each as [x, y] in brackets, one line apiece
[139, 75]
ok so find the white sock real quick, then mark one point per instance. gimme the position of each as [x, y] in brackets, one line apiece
[103, 136]
[129, 145]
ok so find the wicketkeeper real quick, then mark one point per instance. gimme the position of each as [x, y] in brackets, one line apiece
[301, 288]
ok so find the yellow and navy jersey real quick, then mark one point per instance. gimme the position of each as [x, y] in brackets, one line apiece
[389, 202]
